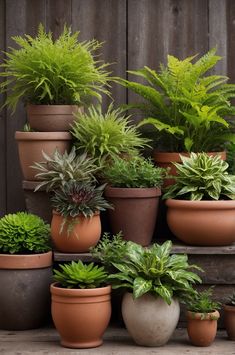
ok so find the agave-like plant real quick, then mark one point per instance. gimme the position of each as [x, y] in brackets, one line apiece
[231, 300]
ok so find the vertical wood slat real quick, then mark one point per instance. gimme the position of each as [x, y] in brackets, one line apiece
[58, 13]
[231, 39]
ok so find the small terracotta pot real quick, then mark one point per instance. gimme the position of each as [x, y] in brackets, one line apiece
[52, 118]
[84, 233]
[209, 223]
[135, 212]
[229, 320]
[202, 327]
[81, 315]
[31, 145]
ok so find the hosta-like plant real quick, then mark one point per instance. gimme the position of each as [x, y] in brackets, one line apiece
[79, 275]
[79, 198]
[46, 71]
[202, 302]
[107, 135]
[202, 177]
[24, 233]
[151, 270]
[185, 105]
[55, 171]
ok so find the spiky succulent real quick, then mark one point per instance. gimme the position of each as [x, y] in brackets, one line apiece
[231, 300]
[202, 302]
[79, 198]
[79, 275]
[202, 177]
[61, 168]
[24, 233]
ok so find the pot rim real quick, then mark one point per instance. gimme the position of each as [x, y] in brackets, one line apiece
[130, 192]
[76, 292]
[42, 136]
[26, 261]
[163, 157]
[201, 205]
[215, 315]
[97, 213]
[229, 308]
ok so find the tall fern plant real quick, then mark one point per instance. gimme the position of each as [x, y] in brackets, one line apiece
[46, 71]
[184, 104]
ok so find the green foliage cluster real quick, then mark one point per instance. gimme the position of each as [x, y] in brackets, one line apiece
[142, 270]
[24, 233]
[231, 300]
[104, 136]
[202, 177]
[201, 302]
[47, 71]
[80, 276]
[184, 104]
[55, 171]
[76, 198]
[133, 172]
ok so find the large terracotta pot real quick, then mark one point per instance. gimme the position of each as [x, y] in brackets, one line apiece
[229, 320]
[81, 315]
[25, 290]
[31, 145]
[78, 234]
[210, 223]
[52, 118]
[135, 211]
[150, 320]
[202, 327]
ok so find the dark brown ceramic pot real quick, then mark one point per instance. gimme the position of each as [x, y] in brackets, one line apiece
[202, 327]
[81, 315]
[31, 145]
[134, 213]
[208, 223]
[25, 290]
[52, 118]
[229, 320]
[77, 235]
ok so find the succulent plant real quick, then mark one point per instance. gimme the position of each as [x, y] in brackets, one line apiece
[231, 300]
[201, 302]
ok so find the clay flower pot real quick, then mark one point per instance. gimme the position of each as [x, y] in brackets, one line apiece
[150, 320]
[135, 211]
[229, 320]
[52, 118]
[209, 223]
[25, 290]
[31, 145]
[202, 327]
[78, 234]
[81, 315]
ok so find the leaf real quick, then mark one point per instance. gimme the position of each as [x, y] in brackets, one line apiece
[161, 126]
[141, 286]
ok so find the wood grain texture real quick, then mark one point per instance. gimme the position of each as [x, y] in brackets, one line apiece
[58, 14]
[231, 39]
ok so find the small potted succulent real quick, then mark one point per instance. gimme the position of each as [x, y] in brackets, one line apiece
[134, 190]
[155, 282]
[81, 304]
[229, 317]
[202, 317]
[25, 271]
[203, 195]
[75, 225]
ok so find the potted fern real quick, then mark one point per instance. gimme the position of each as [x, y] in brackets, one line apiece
[81, 304]
[229, 316]
[201, 203]
[25, 271]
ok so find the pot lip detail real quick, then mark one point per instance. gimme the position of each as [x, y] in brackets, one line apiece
[201, 205]
[215, 315]
[26, 261]
[97, 213]
[229, 308]
[57, 109]
[126, 192]
[167, 157]
[42, 136]
[75, 292]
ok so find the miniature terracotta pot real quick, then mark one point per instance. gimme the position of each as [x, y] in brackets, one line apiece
[135, 212]
[229, 320]
[202, 327]
[149, 319]
[25, 290]
[209, 223]
[75, 235]
[81, 315]
[52, 118]
[31, 145]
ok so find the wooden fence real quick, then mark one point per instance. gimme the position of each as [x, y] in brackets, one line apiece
[135, 32]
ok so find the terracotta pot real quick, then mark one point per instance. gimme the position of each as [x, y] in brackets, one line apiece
[31, 145]
[81, 315]
[52, 118]
[202, 327]
[209, 223]
[229, 320]
[25, 290]
[37, 202]
[150, 320]
[84, 233]
[135, 212]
